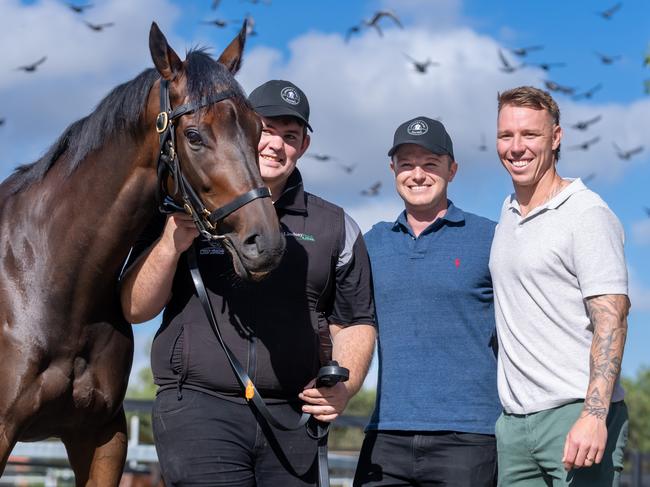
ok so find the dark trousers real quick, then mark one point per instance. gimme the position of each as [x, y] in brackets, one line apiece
[414, 458]
[202, 440]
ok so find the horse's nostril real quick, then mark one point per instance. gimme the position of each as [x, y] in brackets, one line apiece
[251, 247]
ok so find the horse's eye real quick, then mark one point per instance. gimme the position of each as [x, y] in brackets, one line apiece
[193, 137]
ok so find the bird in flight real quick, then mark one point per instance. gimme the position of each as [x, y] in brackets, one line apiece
[584, 125]
[589, 93]
[585, 145]
[523, 51]
[625, 155]
[506, 67]
[605, 59]
[216, 22]
[320, 157]
[30, 68]
[78, 8]
[374, 22]
[546, 66]
[553, 86]
[99, 27]
[421, 67]
[348, 168]
[372, 190]
[483, 146]
[589, 177]
[607, 14]
[2, 121]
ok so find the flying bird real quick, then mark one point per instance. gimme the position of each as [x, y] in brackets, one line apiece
[506, 67]
[589, 177]
[546, 66]
[483, 146]
[421, 67]
[553, 86]
[523, 51]
[605, 59]
[372, 190]
[2, 121]
[78, 8]
[216, 22]
[585, 145]
[99, 27]
[625, 155]
[584, 125]
[607, 14]
[320, 157]
[348, 168]
[589, 93]
[30, 68]
[380, 14]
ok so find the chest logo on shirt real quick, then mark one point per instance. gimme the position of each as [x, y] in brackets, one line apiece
[300, 236]
[212, 251]
[457, 262]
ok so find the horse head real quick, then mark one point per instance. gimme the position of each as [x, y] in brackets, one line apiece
[208, 137]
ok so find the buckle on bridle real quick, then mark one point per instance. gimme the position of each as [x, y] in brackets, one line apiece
[162, 121]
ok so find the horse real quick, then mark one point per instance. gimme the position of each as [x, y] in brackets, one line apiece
[68, 221]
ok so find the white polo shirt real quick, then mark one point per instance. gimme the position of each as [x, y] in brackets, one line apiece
[543, 267]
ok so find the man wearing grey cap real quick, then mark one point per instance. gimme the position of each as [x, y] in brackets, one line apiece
[437, 400]
[315, 306]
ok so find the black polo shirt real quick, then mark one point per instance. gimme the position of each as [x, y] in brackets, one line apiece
[271, 326]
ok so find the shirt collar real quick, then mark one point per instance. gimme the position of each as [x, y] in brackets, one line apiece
[292, 198]
[453, 215]
[574, 187]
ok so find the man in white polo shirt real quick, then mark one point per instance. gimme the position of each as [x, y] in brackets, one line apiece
[560, 288]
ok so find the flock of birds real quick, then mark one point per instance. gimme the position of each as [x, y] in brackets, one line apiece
[381, 18]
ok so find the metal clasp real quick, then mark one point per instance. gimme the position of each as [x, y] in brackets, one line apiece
[162, 121]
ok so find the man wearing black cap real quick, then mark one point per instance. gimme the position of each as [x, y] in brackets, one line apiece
[315, 306]
[437, 399]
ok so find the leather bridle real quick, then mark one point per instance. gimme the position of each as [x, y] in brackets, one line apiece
[169, 165]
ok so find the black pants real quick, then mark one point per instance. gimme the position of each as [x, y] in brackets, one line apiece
[208, 441]
[414, 458]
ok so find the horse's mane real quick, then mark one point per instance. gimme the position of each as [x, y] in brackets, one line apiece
[121, 110]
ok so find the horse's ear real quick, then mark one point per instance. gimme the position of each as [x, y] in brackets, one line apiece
[164, 58]
[231, 57]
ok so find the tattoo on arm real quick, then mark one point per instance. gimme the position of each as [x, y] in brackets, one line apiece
[608, 315]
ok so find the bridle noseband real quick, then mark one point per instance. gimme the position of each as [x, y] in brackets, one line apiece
[169, 164]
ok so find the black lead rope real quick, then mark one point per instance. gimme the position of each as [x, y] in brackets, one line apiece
[250, 391]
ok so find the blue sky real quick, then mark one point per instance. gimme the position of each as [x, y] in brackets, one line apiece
[361, 90]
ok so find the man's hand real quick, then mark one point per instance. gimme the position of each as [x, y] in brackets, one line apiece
[179, 233]
[325, 403]
[585, 443]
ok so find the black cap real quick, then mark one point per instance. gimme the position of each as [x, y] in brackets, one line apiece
[278, 98]
[425, 132]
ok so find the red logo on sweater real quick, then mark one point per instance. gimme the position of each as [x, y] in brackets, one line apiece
[457, 262]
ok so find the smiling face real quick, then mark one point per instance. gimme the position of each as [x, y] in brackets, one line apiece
[421, 178]
[283, 141]
[526, 139]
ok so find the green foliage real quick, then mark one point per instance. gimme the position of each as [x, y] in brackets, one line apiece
[351, 438]
[144, 388]
[637, 398]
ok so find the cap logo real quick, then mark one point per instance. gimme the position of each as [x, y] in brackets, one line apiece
[290, 95]
[417, 127]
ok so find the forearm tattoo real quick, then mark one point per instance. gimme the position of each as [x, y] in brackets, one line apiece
[608, 315]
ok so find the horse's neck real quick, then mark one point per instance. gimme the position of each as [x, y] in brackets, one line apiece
[93, 216]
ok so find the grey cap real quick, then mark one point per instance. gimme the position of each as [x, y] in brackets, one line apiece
[426, 132]
[277, 98]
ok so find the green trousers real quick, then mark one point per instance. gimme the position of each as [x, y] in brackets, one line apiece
[530, 448]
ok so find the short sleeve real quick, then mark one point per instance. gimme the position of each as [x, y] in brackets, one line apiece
[598, 253]
[353, 296]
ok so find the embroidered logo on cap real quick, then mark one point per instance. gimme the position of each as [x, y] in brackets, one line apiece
[417, 127]
[290, 95]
